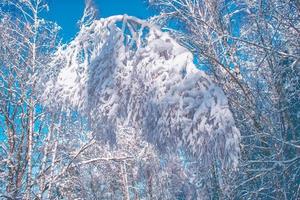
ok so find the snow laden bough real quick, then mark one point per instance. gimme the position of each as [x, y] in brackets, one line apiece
[122, 71]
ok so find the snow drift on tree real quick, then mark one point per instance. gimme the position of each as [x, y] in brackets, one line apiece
[123, 71]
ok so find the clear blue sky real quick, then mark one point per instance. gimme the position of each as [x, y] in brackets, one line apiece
[66, 13]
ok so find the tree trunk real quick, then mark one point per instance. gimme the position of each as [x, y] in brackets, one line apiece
[29, 151]
[125, 181]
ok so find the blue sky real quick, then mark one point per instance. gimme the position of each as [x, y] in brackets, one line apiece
[66, 13]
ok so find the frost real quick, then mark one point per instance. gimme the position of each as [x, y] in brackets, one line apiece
[122, 71]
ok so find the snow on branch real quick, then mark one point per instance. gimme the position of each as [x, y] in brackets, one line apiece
[123, 71]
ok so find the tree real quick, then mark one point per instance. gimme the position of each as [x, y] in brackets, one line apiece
[32, 136]
[125, 72]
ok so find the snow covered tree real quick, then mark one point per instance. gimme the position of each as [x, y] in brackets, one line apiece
[125, 72]
[22, 57]
[31, 135]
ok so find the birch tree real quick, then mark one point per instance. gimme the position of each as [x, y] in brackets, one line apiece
[33, 137]
[23, 55]
[123, 72]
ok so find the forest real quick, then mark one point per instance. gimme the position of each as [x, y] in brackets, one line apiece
[200, 101]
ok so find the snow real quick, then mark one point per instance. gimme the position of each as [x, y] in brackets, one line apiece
[124, 78]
